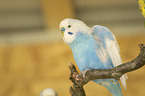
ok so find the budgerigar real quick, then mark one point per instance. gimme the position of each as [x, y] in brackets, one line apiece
[48, 92]
[142, 6]
[93, 48]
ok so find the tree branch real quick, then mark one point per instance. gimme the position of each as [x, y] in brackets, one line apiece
[79, 80]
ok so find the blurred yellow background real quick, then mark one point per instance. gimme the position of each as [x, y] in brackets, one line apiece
[34, 57]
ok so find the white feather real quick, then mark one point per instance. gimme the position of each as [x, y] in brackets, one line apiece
[113, 51]
[102, 54]
[48, 92]
[76, 26]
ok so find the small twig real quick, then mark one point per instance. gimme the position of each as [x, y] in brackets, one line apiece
[76, 90]
[79, 81]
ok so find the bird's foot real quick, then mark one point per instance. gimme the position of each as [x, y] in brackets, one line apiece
[84, 72]
[115, 82]
[81, 78]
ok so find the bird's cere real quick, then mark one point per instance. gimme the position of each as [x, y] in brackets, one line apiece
[63, 29]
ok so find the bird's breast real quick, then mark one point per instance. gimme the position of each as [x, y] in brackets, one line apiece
[85, 54]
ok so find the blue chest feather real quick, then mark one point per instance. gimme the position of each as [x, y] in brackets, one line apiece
[85, 50]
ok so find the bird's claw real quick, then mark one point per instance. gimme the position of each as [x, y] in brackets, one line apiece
[80, 78]
[84, 73]
[115, 82]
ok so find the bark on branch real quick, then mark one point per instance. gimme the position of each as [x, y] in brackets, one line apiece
[79, 80]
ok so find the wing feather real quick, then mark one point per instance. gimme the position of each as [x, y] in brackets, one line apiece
[109, 42]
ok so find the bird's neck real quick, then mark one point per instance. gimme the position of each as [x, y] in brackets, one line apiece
[82, 45]
[81, 48]
[79, 42]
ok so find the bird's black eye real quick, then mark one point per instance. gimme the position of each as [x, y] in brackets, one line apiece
[69, 26]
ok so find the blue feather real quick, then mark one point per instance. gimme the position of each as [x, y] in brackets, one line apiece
[86, 51]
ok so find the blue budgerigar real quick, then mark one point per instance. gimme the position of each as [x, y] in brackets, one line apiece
[93, 48]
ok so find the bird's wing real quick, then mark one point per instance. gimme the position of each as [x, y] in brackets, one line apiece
[108, 40]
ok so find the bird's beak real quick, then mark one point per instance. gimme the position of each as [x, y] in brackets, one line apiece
[62, 31]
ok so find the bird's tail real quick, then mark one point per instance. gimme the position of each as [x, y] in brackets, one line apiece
[112, 87]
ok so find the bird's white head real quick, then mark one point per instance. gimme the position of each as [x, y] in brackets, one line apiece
[70, 27]
[48, 92]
